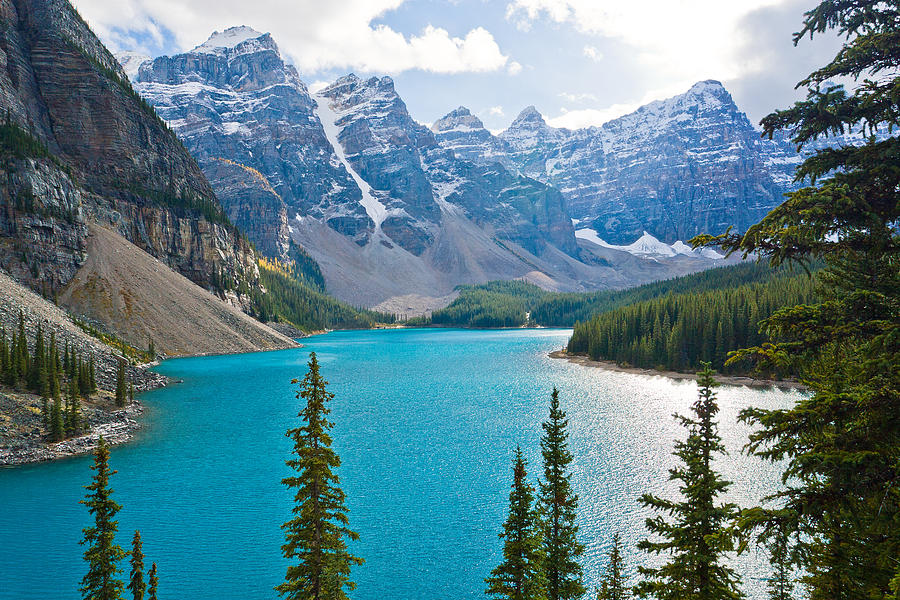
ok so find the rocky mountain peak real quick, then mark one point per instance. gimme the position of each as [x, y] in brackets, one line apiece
[460, 119]
[236, 40]
[528, 116]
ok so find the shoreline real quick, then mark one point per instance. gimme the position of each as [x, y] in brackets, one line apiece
[730, 380]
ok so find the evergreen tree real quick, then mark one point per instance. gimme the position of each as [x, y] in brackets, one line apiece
[315, 536]
[613, 585]
[57, 423]
[74, 409]
[558, 505]
[37, 375]
[700, 532]
[45, 414]
[153, 581]
[521, 575]
[103, 554]
[136, 582]
[841, 443]
[121, 386]
[92, 376]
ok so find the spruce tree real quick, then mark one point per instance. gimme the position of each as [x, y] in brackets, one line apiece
[315, 536]
[37, 374]
[103, 554]
[92, 376]
[121, 386]
[521, 574]
[558, 505]
[57, 422]
[613, 585]
[699, 532]
[153, 582]
[136, 582]
[75, 420]
[841, 443]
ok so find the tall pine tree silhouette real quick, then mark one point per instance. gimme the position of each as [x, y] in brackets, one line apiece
[699, 532]
[153, 581]
[558, 504]
[520, 575]
[613, 584]
[103, 554]
[315, 538]
[136, 582]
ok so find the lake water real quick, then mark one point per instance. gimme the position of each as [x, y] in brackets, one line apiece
[427, 422]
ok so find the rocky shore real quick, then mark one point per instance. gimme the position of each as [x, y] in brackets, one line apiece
[735, 380]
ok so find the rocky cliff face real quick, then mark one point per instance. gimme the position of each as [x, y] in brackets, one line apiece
[81, 148]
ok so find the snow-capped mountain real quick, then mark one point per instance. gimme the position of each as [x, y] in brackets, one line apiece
[348, 174]
[677, 167]
[234, 98]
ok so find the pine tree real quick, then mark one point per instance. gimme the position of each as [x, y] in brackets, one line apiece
[315, 536]
[700, 532]
[74, 409]
[558, 505]
[57, 423]
[103, 554]
[136, 582]
[841, 443]
[121, 386]
[92, 376]
[37, 375]
[521, 574]
[153, 580]
[613, 585]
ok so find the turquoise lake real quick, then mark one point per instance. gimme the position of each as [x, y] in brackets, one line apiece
[427, 422]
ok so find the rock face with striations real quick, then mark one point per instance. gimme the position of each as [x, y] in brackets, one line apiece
[64, 88]
[82, 149]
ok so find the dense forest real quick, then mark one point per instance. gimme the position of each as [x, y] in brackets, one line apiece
[286, 296]
[679, 331]
[517, 303]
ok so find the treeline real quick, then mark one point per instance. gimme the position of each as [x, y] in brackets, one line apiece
[680, 331]
[493, 304]
[287, 299]
[63, 379]
[518, 303]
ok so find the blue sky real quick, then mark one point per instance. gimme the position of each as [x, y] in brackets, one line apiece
[580, 62]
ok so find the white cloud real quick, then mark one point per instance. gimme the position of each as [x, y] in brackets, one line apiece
[583, 97]
[587, 117]
[682, 41]
[495, 111]
[316, 35]
[318, 85]
[514, 68]
[592, 53]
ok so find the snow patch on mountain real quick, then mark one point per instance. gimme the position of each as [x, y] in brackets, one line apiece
[374, 208]
[649, 246]
[131, 62]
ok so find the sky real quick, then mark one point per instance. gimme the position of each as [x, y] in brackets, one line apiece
[579, 62]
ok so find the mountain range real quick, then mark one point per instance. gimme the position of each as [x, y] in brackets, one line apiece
[393, 209]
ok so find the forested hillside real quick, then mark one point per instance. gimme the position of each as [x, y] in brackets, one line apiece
[517, 303]
[679, 331]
